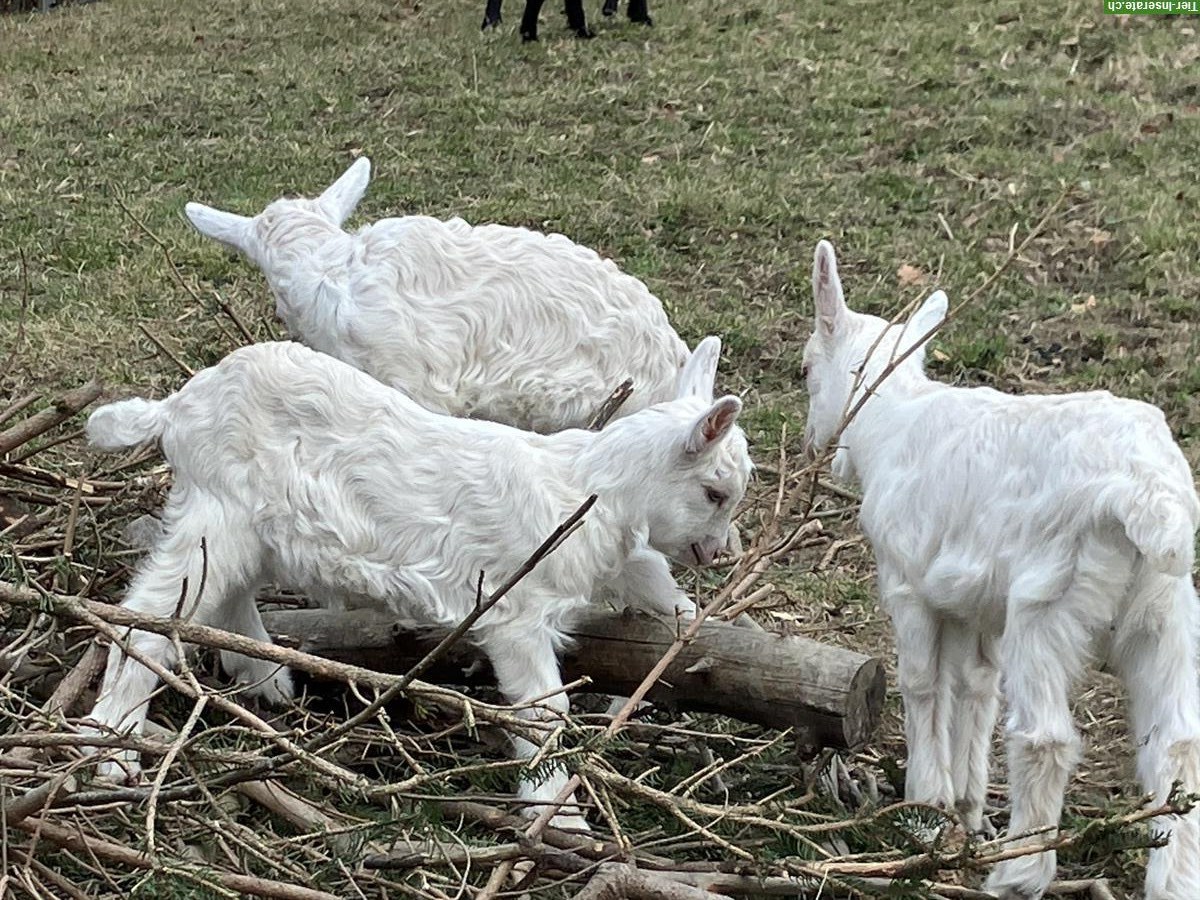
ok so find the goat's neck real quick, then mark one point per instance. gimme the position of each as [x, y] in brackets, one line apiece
[304, 261]
[303, 242]
[618, 472]
[881, 421]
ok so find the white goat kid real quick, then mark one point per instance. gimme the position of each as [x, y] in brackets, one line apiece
[1022, 535]
[486, 321]
[296, 468]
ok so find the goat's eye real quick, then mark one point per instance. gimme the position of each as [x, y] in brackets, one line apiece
[715, 496]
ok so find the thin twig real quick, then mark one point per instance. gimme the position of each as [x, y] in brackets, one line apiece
[183, 367]
[609, 407]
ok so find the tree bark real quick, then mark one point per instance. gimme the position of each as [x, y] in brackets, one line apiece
[833, 694]
[61, 409]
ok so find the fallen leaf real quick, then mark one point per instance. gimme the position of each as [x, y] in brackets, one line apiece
[909, 275]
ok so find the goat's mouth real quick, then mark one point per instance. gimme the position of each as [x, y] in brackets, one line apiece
[702, 555]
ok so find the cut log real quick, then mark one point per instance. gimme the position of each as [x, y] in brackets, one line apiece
[832, 694]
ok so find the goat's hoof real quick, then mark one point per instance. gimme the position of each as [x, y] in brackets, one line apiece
[275, 690]
[490, 23]
[1023, 878]
[986, 830]
[528, 36]
[120, 771]
[570, 823]
[610, 10]
[124, 768]
[584, 33]
[648, 22]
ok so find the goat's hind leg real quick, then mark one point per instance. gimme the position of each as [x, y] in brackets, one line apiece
[926, 690]
[1044, 650]
[973, 658]
[1155, 653]
[212, 567]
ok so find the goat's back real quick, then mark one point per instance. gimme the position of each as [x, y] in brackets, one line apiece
[492, 321]
[980, 488]
[349, 483]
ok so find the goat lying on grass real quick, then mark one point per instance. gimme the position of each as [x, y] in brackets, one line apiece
[296, 468]
[1022, 535]
[486, 321]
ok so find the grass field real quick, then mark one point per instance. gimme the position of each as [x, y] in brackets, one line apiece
[706, 155]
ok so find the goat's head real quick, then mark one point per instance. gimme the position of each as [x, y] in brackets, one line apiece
[849, 350]
[251, 235]
[705, 463]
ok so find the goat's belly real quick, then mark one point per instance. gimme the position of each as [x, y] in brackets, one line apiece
[967, 588]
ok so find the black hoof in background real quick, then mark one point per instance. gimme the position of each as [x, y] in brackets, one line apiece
[528, 36]
[584, 33]
[489, 22]
[609, 8]
[645, 20]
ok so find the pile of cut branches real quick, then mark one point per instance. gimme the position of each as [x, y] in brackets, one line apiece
[380, 784]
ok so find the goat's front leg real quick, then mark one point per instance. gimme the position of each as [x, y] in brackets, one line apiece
[646, 583]
[265, 680]
[577, 20]
[491, 15]
[529, 20]
[526, 668]
[926, 691]
[639, 12]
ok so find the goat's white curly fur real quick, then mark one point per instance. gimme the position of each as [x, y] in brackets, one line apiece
[1027, 536]
[297, 468]
[488, 321]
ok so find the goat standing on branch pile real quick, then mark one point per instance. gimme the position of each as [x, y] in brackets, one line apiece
[293, 467]
[486, 321]
[1026, 536]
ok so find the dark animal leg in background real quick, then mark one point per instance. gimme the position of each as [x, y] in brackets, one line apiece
[610, 8]
[529, 21]
[638, 12]
[491, 15]
[576, 20]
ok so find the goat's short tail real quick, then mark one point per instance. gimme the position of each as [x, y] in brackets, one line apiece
[1162, 525]
[126, 423]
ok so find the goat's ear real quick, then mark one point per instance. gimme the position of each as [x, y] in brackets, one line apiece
[712, 427]
[340, 198]
[928, 316]
[828, 298]
[699, 374]
[228, 228]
